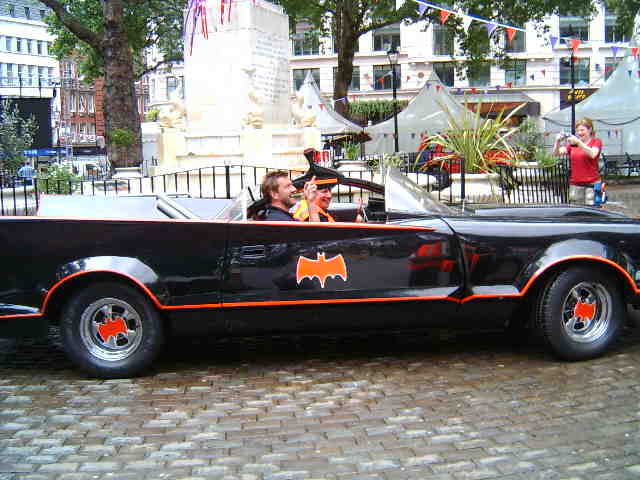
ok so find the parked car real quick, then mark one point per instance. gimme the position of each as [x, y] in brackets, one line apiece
[121, 276]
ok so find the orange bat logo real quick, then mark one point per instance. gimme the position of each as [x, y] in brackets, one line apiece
[321, 268]
[112, 328]
[585, 311]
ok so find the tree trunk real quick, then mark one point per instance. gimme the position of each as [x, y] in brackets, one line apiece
[345, 38]
[121, 111]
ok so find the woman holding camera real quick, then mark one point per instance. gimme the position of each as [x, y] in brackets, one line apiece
[584, 151]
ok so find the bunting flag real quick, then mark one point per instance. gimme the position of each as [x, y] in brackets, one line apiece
[428, 85]
[614, 49]
[444, 14]
[630, 72]
[438, 87]
[408, 77]
[575, 43]
[474, 90]
[498, 87]
[509, 84]
[511, 32]
[532, 77]
[459, 91]
[422, 8]
[196, 13]
[321, 105]
[634, 51]
[544, 72]
[554, 41]
[491, 27]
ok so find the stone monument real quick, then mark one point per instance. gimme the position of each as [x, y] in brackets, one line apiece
[237, 90]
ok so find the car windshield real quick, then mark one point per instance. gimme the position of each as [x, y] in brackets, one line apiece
[402, 195]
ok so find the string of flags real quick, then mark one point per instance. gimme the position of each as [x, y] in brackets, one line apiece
[511, 30]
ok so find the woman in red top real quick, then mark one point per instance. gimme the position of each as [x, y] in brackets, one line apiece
[584, 151]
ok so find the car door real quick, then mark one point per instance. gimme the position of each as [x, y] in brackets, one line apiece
[294, 263]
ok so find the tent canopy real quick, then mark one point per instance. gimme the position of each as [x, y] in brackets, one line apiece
[424, 114]
[613, 107]
[327, 119]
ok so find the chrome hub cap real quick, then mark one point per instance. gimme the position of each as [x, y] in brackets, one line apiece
[586, 312]
[111, 329]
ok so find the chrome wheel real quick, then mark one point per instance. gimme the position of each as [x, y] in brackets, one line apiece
[111, 329]
[586, 312]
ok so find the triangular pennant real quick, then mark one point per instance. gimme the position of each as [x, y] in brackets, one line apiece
[511, 32]
[422, 8]
[630, 72]
[408, 77]
[438, 87]
[444, 15]
[544, 72]
[321, 105]
[491, 27]
[428, 85]
[532, 77]
[498, 87]
[554, 41]
[474, 90]
[458, 91]
[509, 84]
[614, 49]
[466, 22]
[634, 51]
[575, 43]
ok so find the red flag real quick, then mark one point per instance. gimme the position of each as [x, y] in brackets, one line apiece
[575, 43]
[438, 87]
[408, 77]
[474, 90]
[544, 72]
[444, 15]
[511, 32]
[634, 51]
[509, 84]
[321, 105]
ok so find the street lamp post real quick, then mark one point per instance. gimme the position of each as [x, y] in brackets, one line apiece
[393, 55]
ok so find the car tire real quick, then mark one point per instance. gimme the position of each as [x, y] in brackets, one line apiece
[565, 306]
[110, 330]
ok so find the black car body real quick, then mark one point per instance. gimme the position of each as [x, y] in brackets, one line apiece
[118, 286]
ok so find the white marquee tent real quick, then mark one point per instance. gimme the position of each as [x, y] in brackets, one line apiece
[614, 109]
[424, 114]
[327, 119]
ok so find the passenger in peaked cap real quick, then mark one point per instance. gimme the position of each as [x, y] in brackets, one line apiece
[324, 179]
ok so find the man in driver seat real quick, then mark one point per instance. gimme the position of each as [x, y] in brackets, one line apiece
[278, 190]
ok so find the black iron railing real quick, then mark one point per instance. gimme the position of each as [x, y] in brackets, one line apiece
[516, 185]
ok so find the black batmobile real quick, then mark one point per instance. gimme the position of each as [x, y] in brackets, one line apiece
[120, 275]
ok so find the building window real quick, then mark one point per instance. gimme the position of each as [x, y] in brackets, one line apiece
[72, 102]
[43, 13]
[613, 33]
[39, 47]
[22, 75]
[12, 10]
[29, 46]
[581, 71]
[515, 72]
[33, 75]
[90, 103]
[10, 74]
[82, 107]
[299, 74]
[445, 72]
[574, 27]
[67, 70]
[479, 75]
[386, 38]
[42, 77]
[18, 45]
[306, 44]
[382, 77]
[517, 43]
[27, 13]
[611, 63]
[442, 40]
[354, 86]
[172, 85]
[8, 44]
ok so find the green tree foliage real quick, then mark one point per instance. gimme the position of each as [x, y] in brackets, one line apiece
[109, 37]
[16, 135]
[346, 21]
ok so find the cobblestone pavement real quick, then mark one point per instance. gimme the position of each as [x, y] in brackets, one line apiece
[375, 406]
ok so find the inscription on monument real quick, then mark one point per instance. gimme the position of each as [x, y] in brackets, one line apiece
[270, 60]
